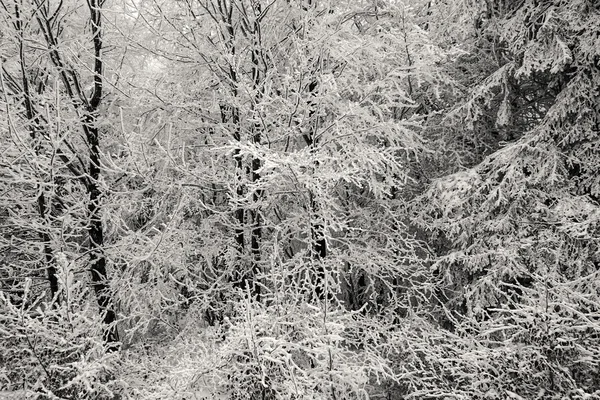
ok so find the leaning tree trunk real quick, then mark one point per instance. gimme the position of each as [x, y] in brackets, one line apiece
[87, 109]
[34, 123]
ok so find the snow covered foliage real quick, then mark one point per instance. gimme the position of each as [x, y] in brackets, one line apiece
[516, 234]
[299, 199]
[289, 152]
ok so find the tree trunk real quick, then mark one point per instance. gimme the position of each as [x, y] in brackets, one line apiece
[88, 111]
[34, 127]
[96, 230]
[317, 230]
[257, 76]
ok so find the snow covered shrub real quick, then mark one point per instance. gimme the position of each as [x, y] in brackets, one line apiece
[280, 351]
[53, 348]
[291, 352]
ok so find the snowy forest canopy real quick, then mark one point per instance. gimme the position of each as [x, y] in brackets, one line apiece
[299, 199]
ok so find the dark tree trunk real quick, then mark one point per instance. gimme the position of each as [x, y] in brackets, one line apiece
[319, 250]
[88, 109]
[230, 114]
[96, 236]
[317, 230]
[34, 127]
[257, 76]
[96, 230]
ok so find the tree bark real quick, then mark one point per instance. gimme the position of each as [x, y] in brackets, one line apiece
[88, 110]
[34, 127]
[96, 230]
[258, 72]
[317, 230]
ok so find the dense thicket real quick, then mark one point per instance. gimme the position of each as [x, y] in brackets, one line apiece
[295, 199]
